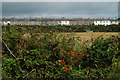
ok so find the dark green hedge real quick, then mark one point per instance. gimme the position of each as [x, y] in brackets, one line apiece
[82, 28]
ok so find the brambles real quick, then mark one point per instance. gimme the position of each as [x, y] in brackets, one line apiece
[45, 56]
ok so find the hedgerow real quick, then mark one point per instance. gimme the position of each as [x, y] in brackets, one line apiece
[47, 56]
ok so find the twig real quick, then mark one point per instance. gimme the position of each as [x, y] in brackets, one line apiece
[29, 73]
[9, 50]
[11, 53]
[76, 29]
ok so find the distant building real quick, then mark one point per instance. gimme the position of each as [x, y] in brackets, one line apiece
[102, 22]
[115, 22]
[6, 22]
[63, 21]
[106, 22]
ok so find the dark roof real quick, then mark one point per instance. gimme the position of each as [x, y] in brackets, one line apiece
[52, 19]
[33, 20]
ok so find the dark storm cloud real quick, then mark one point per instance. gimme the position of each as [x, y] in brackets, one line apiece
[61, 9]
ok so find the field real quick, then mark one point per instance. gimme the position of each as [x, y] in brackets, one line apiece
[84, 36]
[87, 36]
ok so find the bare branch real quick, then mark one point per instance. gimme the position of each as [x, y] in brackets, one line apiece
[76, 29]
[29, 73]
[9, 50]
[11, 54]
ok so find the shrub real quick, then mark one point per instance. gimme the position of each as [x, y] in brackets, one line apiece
[45, 55]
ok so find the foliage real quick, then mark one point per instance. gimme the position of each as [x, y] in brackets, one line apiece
[65, 28]
[51, 56]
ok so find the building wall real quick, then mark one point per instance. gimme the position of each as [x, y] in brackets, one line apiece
[64, 22]
[102, 22]
[114, 22]
[5, 22]
[73, 22]
[54, 22]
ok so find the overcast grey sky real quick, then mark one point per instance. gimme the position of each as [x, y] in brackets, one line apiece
[60, 9]
[60, 0]
[119, 9]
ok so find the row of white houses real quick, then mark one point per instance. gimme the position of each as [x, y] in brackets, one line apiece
[106, 22]
[54, 22]
[96, 22]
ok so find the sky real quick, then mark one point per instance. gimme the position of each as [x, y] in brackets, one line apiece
[60, 0]
[119, 9]
[60, 9]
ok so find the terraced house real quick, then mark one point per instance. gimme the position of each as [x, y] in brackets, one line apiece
[105, 22]
[61, 21]
[80, 21]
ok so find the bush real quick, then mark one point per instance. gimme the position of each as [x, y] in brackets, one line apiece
[45, 55]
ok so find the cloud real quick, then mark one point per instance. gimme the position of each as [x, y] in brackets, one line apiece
[47, 9]
[60, 0]
[119, 9]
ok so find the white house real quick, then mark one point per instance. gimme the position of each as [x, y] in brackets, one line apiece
[114, 22]
[64, 22]
[102, 22]
[6, 22]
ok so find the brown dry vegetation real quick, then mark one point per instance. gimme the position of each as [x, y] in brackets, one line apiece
[84, 36]
[87, 36]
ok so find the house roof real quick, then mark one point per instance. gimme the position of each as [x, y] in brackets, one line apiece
[53, 19]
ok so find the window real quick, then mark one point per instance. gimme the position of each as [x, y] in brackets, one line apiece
[65, 21]
[59, 21]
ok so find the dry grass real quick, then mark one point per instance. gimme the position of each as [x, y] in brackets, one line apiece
[84, 36]
[87, 36]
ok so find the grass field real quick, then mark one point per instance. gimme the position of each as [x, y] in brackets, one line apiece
[84, 36]
[87, 36]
